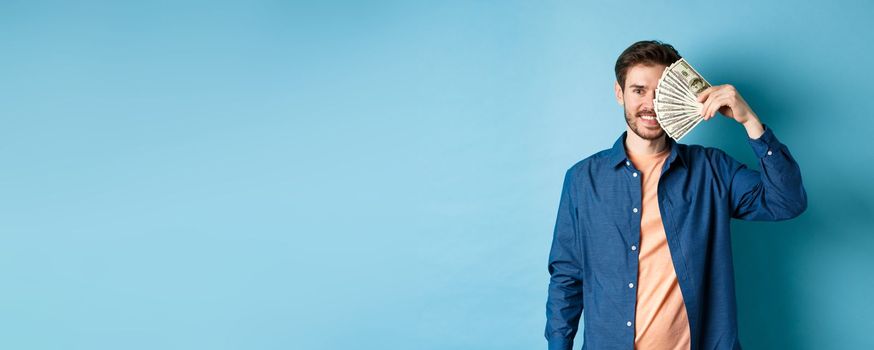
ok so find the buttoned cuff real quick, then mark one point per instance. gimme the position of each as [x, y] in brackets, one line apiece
[766, 144]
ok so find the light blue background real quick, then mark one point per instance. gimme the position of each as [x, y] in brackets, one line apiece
[385, 175]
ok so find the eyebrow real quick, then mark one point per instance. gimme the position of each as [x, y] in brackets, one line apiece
[636, 86]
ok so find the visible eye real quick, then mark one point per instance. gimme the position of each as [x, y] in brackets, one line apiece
[638, 91]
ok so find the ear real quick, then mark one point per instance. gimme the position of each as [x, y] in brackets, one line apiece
[618, 93]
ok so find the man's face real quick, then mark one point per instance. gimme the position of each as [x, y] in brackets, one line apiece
[637, 100]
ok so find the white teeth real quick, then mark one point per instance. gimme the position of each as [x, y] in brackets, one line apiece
[648, 117]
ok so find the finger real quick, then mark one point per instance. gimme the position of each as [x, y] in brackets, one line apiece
[704, 94]
[704, 104]
[723, 102]
[715, 102]
[707, 104]
[705, 109]
[714, 105]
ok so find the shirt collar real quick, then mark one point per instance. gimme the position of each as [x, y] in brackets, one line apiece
[618, 155]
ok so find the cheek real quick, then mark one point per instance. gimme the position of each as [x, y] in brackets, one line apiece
[632, 103]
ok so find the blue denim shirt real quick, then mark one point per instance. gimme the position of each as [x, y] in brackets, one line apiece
[594, 253]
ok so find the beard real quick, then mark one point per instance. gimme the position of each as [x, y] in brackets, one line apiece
[645, 132]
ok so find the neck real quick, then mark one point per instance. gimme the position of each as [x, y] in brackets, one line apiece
[637, 145]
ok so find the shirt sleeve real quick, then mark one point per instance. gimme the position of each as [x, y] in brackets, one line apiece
[776, 193]
[564, 304]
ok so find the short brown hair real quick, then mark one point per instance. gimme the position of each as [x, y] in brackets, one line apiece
[647, 52]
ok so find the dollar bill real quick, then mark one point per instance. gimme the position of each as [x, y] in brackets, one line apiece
[676, 100]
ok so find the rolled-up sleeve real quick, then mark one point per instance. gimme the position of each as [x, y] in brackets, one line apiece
[773, 194]
[564, 304]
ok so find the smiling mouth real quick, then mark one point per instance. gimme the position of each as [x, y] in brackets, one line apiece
[648, 115]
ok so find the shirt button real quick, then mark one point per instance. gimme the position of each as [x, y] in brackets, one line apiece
[628, 323]
[634, 247]
[769, 152]
[634, 174]
[627, 163]
[631, 285]
[634, 210]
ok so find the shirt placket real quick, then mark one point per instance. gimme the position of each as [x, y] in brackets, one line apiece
[634, 211]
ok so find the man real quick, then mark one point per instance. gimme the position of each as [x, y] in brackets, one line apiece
[642, 241]
[697, 85]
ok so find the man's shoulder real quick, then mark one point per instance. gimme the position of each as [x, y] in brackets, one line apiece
[593, 163]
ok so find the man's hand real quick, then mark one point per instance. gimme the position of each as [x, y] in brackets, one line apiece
[726, 100]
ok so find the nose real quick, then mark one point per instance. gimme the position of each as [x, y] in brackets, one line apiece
[649, 101]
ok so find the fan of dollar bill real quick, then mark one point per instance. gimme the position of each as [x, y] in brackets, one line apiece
[676, 100]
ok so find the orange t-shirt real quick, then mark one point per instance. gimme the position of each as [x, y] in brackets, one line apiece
[660, 318]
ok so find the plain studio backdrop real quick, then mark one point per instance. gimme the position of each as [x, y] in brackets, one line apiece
[386, 175]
